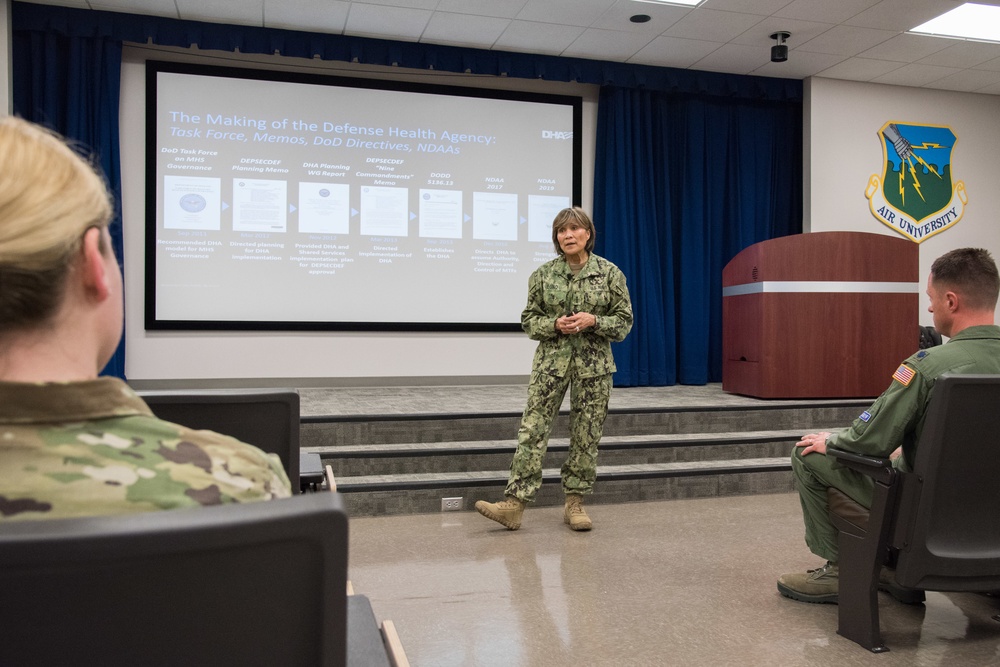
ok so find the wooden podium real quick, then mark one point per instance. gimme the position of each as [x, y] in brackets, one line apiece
[823, 315]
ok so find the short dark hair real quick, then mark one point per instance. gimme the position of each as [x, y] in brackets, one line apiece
[579, 216]
[972, 273]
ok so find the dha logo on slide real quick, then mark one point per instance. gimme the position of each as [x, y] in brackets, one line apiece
[915, 195]
[553, 134]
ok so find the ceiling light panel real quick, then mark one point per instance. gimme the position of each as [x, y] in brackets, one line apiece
[970, 21]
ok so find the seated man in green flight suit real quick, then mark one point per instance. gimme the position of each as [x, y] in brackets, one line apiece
[962, 287]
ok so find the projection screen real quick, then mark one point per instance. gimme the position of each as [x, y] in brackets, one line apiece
[283, 201]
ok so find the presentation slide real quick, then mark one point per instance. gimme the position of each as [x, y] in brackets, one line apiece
[281, 201]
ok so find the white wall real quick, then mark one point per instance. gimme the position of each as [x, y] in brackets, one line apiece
[842, 151]
[159, 359]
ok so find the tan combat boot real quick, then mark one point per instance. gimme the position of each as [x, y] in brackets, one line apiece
[507, 512]
[574, 514]
[821, 585]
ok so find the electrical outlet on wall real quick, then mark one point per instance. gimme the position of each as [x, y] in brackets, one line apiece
[451, 504]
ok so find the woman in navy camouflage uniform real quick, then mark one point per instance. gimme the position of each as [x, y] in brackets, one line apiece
[578, 304]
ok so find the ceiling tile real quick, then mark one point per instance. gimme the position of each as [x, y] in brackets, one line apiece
[408, 4]
[713, 26]
[386, 22]
[325, 15]
[906, 48]
[991, 65]
[801, 32]
[606, 45]
[860, 69]
[735, 58]
[799, 65]
[673, 52]
[860, 40]
[761, 7]
[968, 80]
[150, 7]
[566, 12]
[963, 54]
[824, 10]
[533, 37]
[846, 40]
[915, 75]
[661, 17]
[250, 12]
[463, 30]
[505, 9]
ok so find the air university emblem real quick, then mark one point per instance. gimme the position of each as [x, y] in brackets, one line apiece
[915, 195]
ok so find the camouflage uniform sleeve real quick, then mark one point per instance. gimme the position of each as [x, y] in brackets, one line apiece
[616, 323]
[891, 420]
[536, 322]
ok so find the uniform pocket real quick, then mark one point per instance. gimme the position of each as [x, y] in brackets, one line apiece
[555, 295]
[596, 295]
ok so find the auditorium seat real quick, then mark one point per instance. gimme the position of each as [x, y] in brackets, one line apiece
[938, 523]
[265, 418]
[929, 337]
[248, 584]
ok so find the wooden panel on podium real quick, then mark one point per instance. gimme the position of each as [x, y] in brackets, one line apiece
[823, 315]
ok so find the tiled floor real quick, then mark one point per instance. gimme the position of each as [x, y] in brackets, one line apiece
[680, 582]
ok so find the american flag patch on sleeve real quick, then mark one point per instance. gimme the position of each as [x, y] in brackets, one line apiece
[904, 375]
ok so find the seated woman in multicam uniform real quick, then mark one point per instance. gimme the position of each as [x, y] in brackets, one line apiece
[73, 444]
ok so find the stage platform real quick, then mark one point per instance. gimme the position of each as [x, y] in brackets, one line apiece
[340, 402]
[401, 450]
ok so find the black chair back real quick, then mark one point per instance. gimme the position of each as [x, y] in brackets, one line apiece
[946, 526]
[929, 337]
[265, 418]
[254, 584]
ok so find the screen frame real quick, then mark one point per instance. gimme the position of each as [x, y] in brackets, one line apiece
[154, 67]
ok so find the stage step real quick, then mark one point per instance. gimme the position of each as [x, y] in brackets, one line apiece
[405, 464]
[350, 461]
[378, 495]
[412, 478]
[338, 430]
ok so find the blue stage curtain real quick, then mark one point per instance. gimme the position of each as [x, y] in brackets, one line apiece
[72, 85]
[683, 183]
